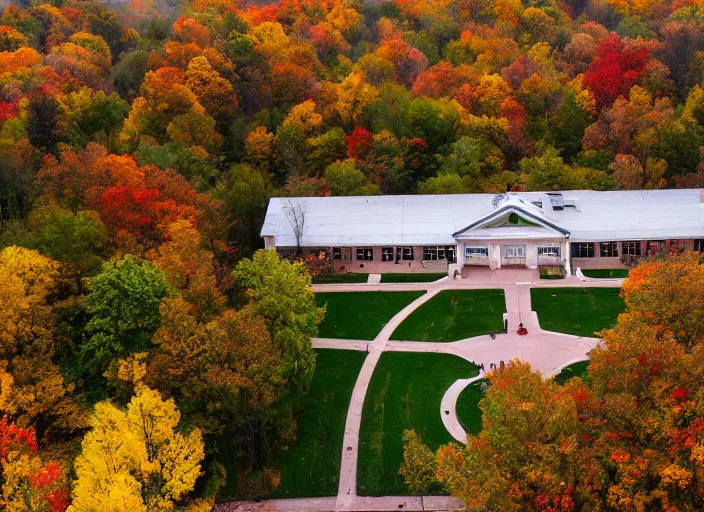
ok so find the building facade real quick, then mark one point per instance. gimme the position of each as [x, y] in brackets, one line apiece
[453, 233]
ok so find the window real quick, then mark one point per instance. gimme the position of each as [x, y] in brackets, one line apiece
[609, 249]
[439, 253]
[387, 254]
[549, 251]
[337, 253]
[365, 254]
[476, 251]
[630, 248]
[583, 250]
[407, 253]
[699, 245]
[514, 251]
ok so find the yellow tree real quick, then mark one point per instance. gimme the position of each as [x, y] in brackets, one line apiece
[354, 95]
[668, 296]
[212, 90]
[136, 461]
[304, 117]
[32, 390]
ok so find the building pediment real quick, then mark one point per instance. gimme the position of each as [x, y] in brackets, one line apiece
[512, 221]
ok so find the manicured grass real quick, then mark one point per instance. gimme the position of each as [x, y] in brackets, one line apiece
[468, 407]
[580, 311]
[412, 277]
[349, 277]
[574, 370]
[601, 273]
[360, 315]
[311, 465]
[405, 392]
[454, 315]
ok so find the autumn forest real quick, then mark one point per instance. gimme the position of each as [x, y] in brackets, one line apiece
[140, 143]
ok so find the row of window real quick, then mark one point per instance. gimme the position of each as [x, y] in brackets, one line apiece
[611, 249]
[510, 251]
[606, 249]
[447, 252]
[433, 253]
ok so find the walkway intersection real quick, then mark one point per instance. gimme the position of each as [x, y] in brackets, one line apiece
[546, 351]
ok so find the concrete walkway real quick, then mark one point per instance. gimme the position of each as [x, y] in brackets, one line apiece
[340, 344]
[546, 351]
[448, 408]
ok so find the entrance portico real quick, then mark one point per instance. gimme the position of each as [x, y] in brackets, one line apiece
[516, 234]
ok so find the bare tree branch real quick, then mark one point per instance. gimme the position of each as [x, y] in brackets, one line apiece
[296, 216]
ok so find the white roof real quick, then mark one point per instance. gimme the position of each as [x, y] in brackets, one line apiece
[433, 219]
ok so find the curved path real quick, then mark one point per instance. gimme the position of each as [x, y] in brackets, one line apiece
[448, 408]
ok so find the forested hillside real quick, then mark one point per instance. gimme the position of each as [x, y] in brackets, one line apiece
[140, 142]
[236, 103]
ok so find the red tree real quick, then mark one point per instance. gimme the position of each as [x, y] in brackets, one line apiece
[615, 69]
[359, 144]
[33, 483]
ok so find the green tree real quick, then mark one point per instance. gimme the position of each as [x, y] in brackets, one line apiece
[76, 240]
[471, 157]
[124, 307]
[245, 192]
[280, 292]
[344, 179]
[548, 171]
[443, 184]
[325, 149]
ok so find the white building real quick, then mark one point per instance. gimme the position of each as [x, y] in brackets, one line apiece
[421, 233]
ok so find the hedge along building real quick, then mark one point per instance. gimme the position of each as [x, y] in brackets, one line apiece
[453, 233]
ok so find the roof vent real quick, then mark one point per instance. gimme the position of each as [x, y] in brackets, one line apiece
[498, 200]
[556, 201]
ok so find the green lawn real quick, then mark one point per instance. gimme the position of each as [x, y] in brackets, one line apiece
[405, 392]
[468, 407]
[602, 273]
[349, 277]
[412, 277]
[360, 315]
[311, 465]
[580, 311]
[574, 370]
[454, 315]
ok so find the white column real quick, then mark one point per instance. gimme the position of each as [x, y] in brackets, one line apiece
[496, 257]
[566, 256]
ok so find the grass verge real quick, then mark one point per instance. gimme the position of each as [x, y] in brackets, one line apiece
[605, 273]
[579, 311]
[412, 277]
[454, 315]
[574, 370]
[468, 407]
[360, 315]
[349, 277]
